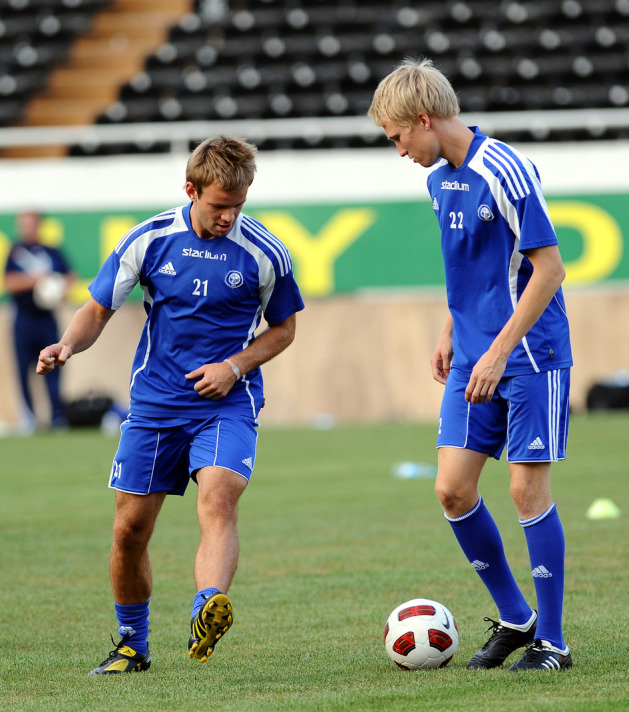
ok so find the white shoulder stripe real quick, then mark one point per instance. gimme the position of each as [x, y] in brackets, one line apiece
[266, 269]
[509, 170]
[510, 185]
[276, 246]
[272, 242]
[514, 161]
[139, 227]
[132, 257]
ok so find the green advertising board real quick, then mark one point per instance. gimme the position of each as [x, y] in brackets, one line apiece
[345, 248]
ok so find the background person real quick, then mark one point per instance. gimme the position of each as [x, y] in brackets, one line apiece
[37, 278]
[504, 354]
[208, 273]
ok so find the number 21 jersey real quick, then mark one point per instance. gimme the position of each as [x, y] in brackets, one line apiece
[204, 300]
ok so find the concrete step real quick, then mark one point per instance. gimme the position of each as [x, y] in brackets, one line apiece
[100, 62]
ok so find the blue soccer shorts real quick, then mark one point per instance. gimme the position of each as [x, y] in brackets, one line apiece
[529, 414]
[163, 455]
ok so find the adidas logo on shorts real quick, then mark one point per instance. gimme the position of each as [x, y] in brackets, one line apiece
[537, 444]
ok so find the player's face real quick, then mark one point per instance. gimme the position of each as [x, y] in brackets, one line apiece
[417, 142]
[215, 211]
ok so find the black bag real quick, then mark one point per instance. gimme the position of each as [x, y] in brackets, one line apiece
[88, 411]
[607, 396]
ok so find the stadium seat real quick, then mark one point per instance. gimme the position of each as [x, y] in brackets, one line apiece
[302, 58]
[35, 36]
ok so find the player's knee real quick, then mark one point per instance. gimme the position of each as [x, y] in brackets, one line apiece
[455, 501]
[130, 534]
[444, 493]
[217, 506]
[521, 494]
[450, 499]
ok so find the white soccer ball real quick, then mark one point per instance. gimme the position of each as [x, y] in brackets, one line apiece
[421, 635]
[49, 291]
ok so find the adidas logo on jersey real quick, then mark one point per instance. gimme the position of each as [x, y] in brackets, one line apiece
[435, 204]
[541, 572]
[249, 462]
[537, 444]
[479, 565]
[167, 269]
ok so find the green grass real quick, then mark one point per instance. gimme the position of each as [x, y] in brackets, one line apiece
[330, 544]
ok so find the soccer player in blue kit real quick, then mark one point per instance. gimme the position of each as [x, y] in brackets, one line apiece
[208, 274]
[504, 354]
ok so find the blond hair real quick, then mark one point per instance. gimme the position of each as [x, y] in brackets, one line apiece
[414, 87]
[223, 160]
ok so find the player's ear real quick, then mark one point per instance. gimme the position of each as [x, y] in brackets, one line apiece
[191, 191]
[424, 121]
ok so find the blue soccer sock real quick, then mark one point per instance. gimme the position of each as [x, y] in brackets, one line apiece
[481, 542]
[547, 549]
[133, 619]
[200, 599]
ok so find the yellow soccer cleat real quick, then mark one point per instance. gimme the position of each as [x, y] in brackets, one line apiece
[123, 659]
[209, 625]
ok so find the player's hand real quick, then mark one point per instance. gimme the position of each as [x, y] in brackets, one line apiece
[51, 356]
[441, 360]
[485, 377]
[215, 380]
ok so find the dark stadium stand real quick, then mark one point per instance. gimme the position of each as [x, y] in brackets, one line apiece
[35, 37]
[264, 59]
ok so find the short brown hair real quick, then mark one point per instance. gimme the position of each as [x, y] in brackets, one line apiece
[414, 87]
[227, 161]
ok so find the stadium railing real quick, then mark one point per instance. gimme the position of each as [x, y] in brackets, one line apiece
[537, 125]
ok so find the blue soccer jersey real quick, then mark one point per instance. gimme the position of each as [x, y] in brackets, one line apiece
[490, 211]
[204, 300]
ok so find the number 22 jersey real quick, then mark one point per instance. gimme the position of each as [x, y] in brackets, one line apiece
[490, 211]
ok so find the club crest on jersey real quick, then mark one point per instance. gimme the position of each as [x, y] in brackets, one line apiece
[234, 279]
[485, 214]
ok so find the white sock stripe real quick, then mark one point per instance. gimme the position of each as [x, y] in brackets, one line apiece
[469, 514]
[535, 520]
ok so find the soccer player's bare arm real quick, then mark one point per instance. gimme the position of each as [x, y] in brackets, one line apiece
[86, 326]
[215, 380]
[267, 345]
[442, 357]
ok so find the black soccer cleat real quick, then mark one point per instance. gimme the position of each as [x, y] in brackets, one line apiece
[502, 642]
[123, 659]
[209, 625]
[541, 655]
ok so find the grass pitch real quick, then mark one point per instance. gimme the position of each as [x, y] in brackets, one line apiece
[330, 544]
